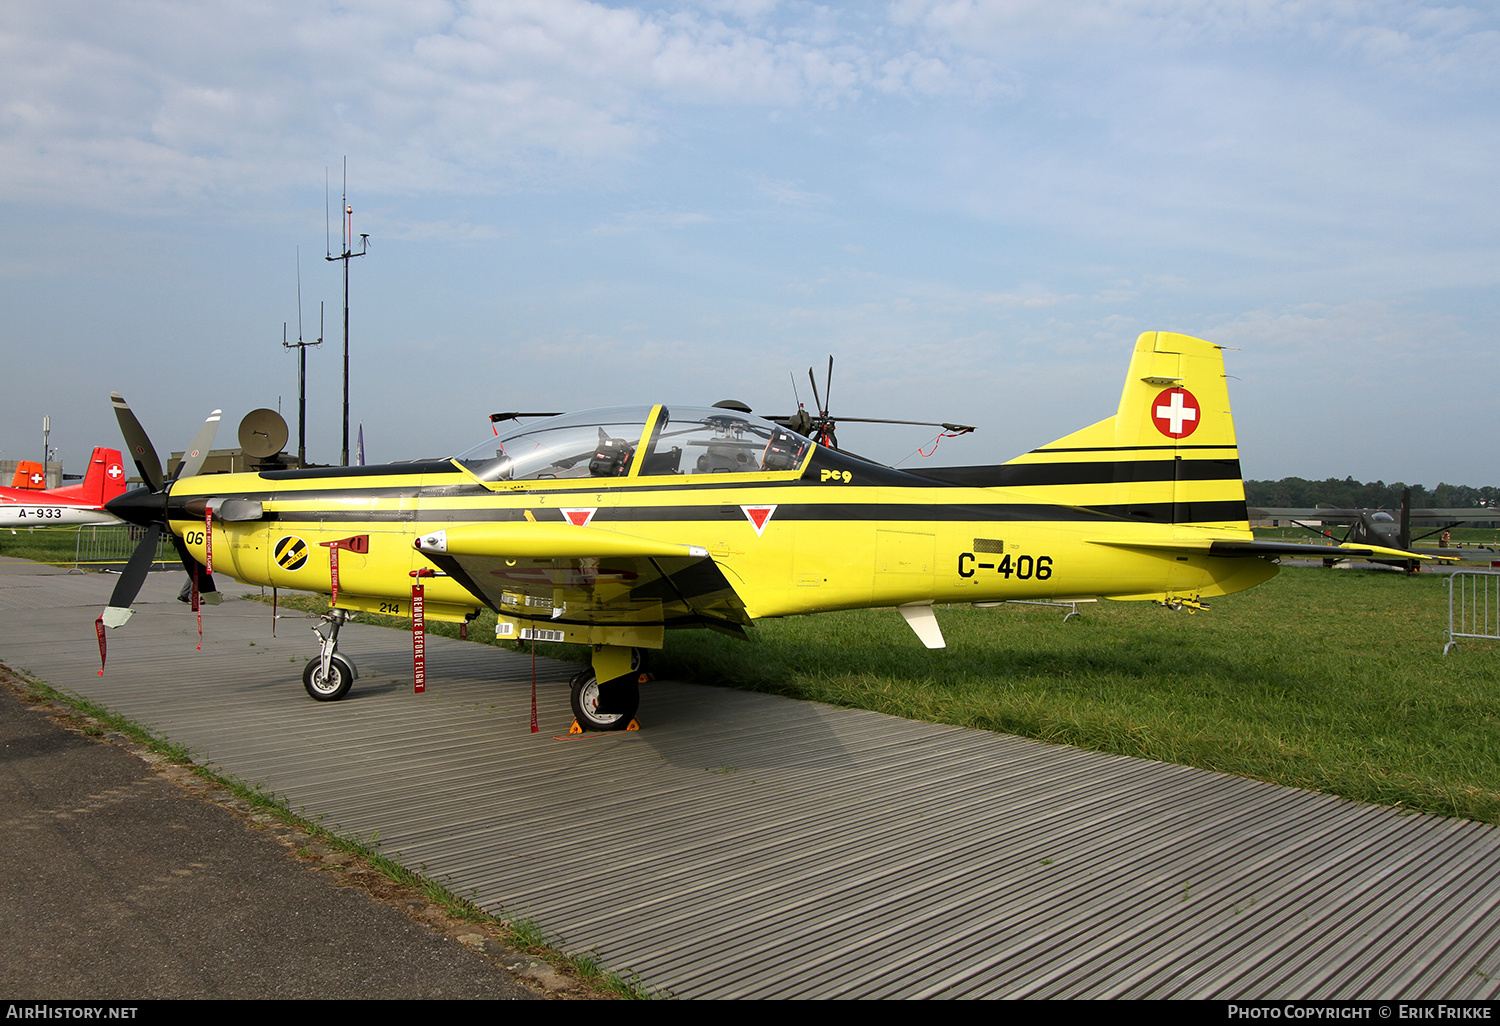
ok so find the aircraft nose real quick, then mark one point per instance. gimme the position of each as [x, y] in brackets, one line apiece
[139, 506]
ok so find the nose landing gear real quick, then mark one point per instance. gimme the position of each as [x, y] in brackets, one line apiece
[329, 677]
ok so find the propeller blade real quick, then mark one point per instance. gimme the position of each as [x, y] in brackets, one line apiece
[207, 593]
[129, 584]
[817, 403]
[146, 460]
[828, 388]
[192, 460]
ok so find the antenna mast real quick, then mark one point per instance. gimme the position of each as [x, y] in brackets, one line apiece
[301, 348]
[348, 254]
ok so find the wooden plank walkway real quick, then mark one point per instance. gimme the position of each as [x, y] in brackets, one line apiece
[743, 845]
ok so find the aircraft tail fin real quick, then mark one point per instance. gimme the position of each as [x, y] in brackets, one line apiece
[1168, 456]
[30, 475]
[104, 480]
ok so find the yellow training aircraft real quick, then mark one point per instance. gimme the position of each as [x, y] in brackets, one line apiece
[610, 527]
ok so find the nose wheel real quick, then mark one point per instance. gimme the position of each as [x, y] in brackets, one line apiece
[329, 685]
[330, 675]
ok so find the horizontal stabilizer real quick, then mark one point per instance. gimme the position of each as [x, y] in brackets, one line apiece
[1347, 550]
[1207, 547]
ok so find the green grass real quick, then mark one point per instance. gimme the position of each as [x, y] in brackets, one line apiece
[1331, 680]
[59, 546]
[48, 545]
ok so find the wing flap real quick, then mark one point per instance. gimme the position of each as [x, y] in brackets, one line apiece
[581, 576]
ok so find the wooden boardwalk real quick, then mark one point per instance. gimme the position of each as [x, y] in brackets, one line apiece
[743, 845]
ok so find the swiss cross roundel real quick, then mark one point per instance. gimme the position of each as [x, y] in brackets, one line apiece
[1175, 412]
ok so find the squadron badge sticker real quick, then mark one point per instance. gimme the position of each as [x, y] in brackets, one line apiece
[290, 552]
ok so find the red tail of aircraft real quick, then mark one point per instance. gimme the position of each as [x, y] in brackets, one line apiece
[104, 481]
[30, 476]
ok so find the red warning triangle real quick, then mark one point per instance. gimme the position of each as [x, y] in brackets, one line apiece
[580, 517]
[758, 516]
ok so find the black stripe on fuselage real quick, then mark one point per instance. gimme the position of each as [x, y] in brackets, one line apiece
[374, 470]
[1002, 475]
[1145, 512]
[1030, 475]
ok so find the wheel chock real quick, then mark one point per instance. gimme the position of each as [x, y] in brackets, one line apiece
[634, 724]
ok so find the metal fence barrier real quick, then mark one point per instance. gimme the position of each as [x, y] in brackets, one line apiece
[1473, 606]
[102, 545]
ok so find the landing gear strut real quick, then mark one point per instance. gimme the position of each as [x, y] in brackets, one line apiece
[329, 677]
[610, 705]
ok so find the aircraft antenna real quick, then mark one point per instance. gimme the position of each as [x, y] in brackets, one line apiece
[301, 348]
[828, 387]
[346, 240]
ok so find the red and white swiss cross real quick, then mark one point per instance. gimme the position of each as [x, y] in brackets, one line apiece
[1175, 412]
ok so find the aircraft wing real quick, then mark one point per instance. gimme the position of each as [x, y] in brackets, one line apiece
[1336, 516]
[1344, 516]
[1457, 516]
[582, 576]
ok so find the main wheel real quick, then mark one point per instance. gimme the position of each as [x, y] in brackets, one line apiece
[332, 687]
[625, 698]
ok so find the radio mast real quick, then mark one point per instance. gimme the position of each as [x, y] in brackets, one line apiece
[301, 348]
[347, 241]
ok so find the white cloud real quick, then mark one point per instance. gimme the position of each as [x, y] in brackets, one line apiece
[156, 103]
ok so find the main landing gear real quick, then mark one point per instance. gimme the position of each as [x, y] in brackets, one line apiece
[328, 677]
[610, 705]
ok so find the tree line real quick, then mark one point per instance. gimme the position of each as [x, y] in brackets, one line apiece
[1349, 493]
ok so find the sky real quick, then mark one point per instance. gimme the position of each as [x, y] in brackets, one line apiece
[973, 206]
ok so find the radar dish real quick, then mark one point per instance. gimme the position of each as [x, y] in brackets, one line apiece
[262, 434]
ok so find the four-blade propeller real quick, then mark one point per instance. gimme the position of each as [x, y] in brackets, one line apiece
[147, 507]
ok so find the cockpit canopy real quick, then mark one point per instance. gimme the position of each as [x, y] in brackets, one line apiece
[638, 441]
